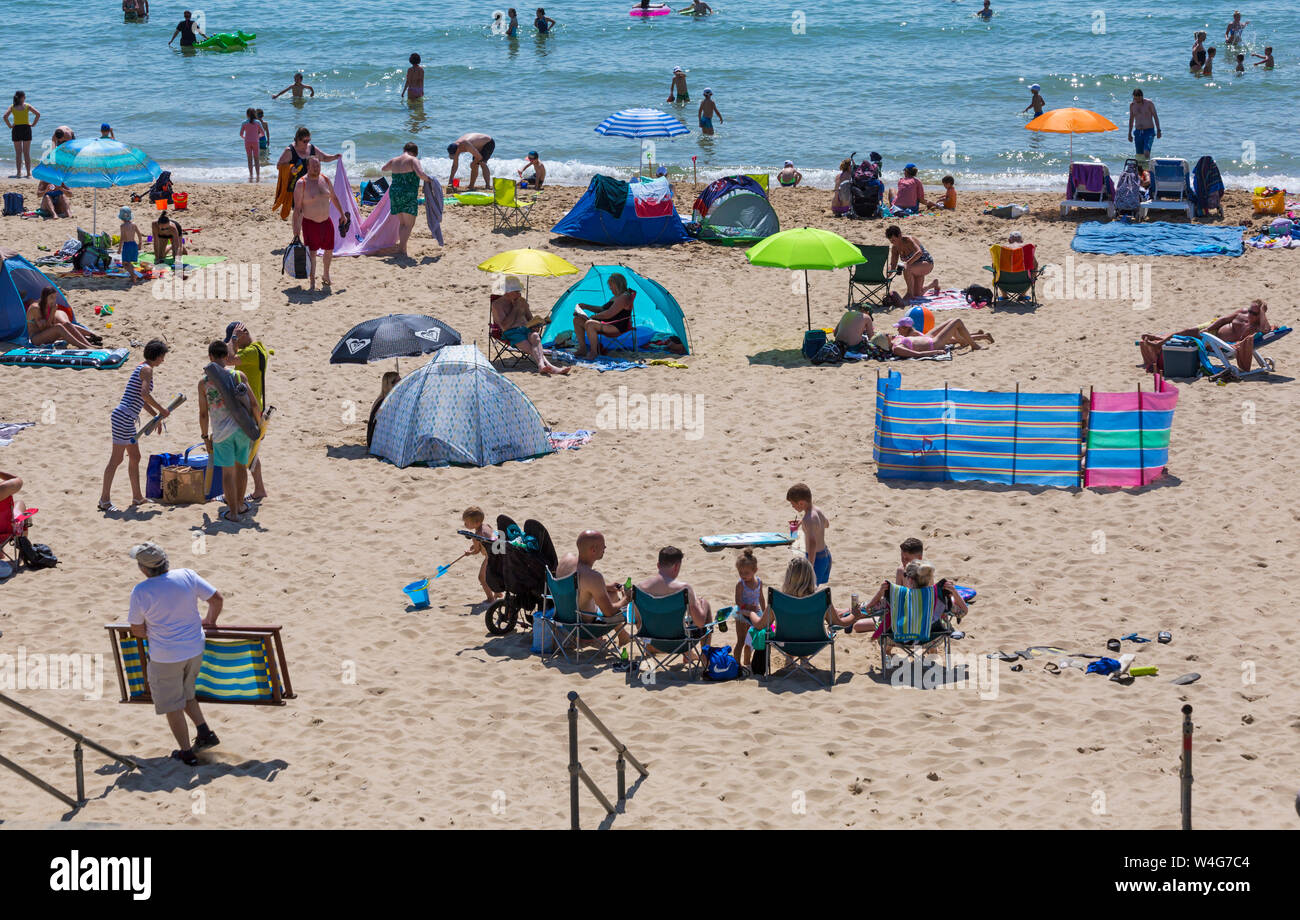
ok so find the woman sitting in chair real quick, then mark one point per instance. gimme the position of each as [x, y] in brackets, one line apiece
[611, 320]
[48, 322]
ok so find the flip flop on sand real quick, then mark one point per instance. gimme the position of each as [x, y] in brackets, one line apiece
[1003, 656]
[1186, 679]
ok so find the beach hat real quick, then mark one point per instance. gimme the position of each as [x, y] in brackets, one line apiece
[1034, 87]
[230, 330]
[906, 321]
[881, 340]
[149, 554]
[124, 213]
[708, 92]
[678, 70]
[910, 166]
[789, 162]
[512, 284]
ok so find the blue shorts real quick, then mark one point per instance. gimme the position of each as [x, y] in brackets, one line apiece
[1143, 139]
[130, 252]
[822, 566]
[516, 335]
[706, 123]
[233, 451]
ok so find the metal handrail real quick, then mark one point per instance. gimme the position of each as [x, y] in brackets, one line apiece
[576, 772]
[76, 755]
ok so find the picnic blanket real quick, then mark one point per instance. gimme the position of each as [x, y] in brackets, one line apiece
[602, 363]
[569, 440]
[944, 300]
[1157, 239]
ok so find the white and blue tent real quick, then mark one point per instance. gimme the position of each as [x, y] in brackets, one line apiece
[458, 409]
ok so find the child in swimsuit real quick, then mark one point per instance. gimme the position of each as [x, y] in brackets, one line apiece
[130, 235]
[251, 132]
[750, 606]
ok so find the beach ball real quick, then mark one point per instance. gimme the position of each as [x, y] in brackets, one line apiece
[922, 319]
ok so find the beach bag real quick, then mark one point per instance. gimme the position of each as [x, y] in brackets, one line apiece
[1268, 201]
[1128, 190]
[719, 663]
[182, 485]
[13, 204]
[372, 192]
[295, 260]
[977, 293]
[36, 555]
[831, 352]
[153, 473]
[161, 190]
[543, 637]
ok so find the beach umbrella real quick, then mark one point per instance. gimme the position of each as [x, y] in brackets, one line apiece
[397, 335]
[1071, 122]
[640, 124]
[531, 263]
[805, 248]
[96, 163]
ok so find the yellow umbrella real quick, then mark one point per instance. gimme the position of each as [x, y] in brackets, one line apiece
[1071, 122]
[529, 263]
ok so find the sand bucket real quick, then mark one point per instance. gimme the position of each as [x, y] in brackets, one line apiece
[418, 592]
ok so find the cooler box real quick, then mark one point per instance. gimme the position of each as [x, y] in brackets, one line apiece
[1181, 360]
[194, 456]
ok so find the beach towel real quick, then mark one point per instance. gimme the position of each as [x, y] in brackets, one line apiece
[433, 207]
[1092, 178]
[9, 429]
[146, 258]
[1157, 239]
[602, 363]
[610, 195]
[569, 440]
[652, 198]
[946, 300]
[235, 394]
[1264, 241]
[378, 231]
[871, 353]
[284, 190]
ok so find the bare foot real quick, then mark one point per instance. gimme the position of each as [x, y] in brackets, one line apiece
[550, 370]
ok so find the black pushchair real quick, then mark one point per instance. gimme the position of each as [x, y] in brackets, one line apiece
[866, 190]
[517, 565]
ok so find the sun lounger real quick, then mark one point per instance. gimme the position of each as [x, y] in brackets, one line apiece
[1089, 185]
[800, 631]
[241, 664]
[1171, 188]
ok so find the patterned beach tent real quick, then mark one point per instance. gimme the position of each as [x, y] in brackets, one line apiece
[458, 409]
[1128, 435]
[735, 209]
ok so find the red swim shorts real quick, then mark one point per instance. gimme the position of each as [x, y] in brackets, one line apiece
[318, 234]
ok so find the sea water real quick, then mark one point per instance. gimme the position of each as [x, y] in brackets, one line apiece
[921, 81]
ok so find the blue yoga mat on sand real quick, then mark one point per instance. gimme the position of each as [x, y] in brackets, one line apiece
[1157, 239]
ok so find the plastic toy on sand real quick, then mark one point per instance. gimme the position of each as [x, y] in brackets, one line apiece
[418, 592]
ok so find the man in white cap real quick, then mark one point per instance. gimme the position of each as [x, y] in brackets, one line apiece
[678, 87]
[789, 176]
[518, 325]
[164, 610]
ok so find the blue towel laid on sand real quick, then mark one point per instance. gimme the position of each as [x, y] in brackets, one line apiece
[1156, 239]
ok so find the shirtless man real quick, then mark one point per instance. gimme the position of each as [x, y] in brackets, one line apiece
[519, 327]
[312, 197]
[1143, 123]
[297, 86]
[677, 91]
[480, 148]
[667, 582]
[167, 233]
[597, 600]
[413, 86]
[1238, 328]
[853, 327]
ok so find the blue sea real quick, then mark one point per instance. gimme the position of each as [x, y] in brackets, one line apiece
[916, 80]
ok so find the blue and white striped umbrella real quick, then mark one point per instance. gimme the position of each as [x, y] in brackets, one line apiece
[99, 162]
[641, 123]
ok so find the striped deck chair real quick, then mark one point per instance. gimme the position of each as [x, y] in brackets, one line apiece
[908, 625]
[1015, 273]
[241, 664]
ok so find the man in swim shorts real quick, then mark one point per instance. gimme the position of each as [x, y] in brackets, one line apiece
[480, 148]
[1143, 123]
[708, 110]
[1237, 328]
[404, 191]
[597, 600]
[677, 91]
[312, 197]
[519, 327]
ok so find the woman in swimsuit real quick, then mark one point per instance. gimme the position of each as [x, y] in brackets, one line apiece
[47, 322]
[842, 197]
[916, 263]
[611, 320]
[543, 23]
[907, 344]
[126, 417]
[1198, 54]
[404, 190]
[21, 118]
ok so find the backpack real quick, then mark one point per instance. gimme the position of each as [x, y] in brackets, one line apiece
[295, 260]
[372, 192]
[91, 258]
[36, 555]
[13, 204]
[1128, 190]
[831, 352]
[720, 664]
[161, 190]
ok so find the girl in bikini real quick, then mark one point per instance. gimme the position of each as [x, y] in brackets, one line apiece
[916, 262]
[47, 322]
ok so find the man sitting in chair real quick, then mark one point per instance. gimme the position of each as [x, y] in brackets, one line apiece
[597, 600]
[667, 582]
[519, 327]
[1237, 329]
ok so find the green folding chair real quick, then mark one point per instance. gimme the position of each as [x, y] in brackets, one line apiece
[566, 625]
[868, 283]
[800, 631]
[508, 212]
[660, 632]
[909, 626]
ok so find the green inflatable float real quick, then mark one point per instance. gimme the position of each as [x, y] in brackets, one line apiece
[227, 41]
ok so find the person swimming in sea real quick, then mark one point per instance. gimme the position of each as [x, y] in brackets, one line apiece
[542, 22]
[296, 87]
[1035, 101]
[986, 13]
[1266, 59]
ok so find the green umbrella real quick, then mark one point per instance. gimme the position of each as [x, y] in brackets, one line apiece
[805, 248]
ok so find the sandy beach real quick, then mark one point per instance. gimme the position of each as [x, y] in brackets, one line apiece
[408, 718]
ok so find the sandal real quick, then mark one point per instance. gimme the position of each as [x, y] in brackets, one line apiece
[106, 506]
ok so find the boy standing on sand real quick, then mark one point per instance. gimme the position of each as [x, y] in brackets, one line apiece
[130, 235]
[708, 109]
[297, 86]
[813, 524]
[473, 519]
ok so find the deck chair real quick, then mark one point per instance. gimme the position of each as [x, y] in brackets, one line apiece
[1015, 273]
[508, 212]
[241, 664]
[659, 632]
[12, 526]
[1171, 188]
[908, 625]
[565, 625]
[800, 631]
[1088, 185]
[1226, 355]
[499, 349]
[868, 282]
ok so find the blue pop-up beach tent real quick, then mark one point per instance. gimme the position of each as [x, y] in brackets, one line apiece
[613, 213]
[656, 314]
[20, 283]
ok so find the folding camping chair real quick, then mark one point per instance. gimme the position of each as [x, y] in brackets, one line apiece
[241, 664]
[800, 631]
[1088, 185]
[909, 625]
[1015, 273]
[13, 524]
[499, 349]
[660, 633]
[1171, 188]
[868, 282]
[508, 212]
[565, 623]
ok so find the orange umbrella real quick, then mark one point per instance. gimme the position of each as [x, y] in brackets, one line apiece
[1071, 122]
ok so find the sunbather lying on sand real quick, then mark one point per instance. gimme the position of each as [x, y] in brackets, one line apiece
[907, 344]
[1238, 328]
